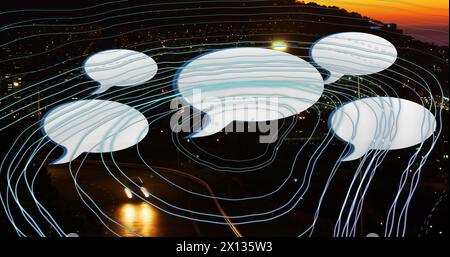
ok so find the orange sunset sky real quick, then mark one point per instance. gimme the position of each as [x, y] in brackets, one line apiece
[424, 19]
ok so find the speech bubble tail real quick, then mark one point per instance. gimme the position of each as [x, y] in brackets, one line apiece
[202, 133]
[100, 90]
[333, 77]
[65, 158]
[354, 154]
[212, 127]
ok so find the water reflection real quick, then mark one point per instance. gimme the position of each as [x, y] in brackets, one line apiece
[141, 217]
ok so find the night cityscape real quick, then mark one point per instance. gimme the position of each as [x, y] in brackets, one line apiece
[173, 185]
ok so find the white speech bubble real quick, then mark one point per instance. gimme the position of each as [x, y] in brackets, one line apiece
[96, 126]
[119, 68]
[353, 53]
[249, 84]
[381, 123]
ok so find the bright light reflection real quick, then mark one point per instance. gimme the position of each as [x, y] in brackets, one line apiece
[139, 217]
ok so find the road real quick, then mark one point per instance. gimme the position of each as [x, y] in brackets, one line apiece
[211, 192]
[139, 217]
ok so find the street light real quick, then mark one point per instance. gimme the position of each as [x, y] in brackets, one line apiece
[279, 45]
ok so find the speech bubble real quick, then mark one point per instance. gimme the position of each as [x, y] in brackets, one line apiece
[353, 53]
[381, 123]
[248, 84]
[96, 126]
[119, 68]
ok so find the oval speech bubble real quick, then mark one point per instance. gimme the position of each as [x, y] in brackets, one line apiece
[247, 84]
[120, 68]
[381, 123]
[96, 126]
[353, 53]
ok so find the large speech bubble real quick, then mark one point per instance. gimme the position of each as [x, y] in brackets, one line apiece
[249, 84]
[381, 123]
[96, 126]
[353, 53]
[120, 68]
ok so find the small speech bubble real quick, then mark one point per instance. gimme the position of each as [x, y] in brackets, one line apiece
[96, 126]
[247, 84]
[353, 53]
[381, 123]
[120, 68]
